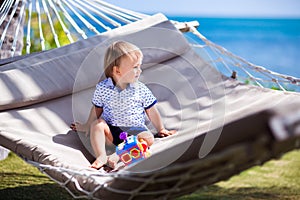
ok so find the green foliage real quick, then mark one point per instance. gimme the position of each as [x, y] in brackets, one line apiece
[273, 87]
[19, 180]
[276, 179]
[248, 81]
[47, 33]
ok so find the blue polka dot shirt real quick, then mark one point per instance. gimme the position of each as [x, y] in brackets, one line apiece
[123, 107]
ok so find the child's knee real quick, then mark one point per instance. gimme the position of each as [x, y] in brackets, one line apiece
[147, 136]
[98, 125]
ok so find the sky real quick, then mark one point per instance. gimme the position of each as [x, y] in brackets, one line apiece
[215, 8]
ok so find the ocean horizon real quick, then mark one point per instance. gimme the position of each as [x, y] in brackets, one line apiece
[271, 43]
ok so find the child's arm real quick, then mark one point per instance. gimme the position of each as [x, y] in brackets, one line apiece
[155, 118]
[95, 113]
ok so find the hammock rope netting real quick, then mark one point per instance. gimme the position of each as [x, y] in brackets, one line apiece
[79, 21]
[41, 21]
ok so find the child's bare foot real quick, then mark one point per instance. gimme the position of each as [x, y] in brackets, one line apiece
[76, 126]
[99, 162]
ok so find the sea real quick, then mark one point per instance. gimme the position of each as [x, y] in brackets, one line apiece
[271, 43]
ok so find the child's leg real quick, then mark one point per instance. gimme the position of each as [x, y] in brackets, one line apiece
[112, 160]
[99, 131]
[147, 136]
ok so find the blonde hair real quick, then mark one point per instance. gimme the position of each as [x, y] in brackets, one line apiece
[115, 52]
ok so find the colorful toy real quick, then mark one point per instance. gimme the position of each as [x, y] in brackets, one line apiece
[131, 149]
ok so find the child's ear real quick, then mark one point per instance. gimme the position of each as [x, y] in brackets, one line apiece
[116, 70]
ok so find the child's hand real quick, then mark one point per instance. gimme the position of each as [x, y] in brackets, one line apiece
[76, 126]
[166, 133]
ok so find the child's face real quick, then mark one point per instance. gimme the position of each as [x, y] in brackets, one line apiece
[130, 68]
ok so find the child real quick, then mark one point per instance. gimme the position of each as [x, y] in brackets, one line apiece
[120, 103]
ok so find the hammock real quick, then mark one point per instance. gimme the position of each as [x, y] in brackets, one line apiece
[224, 126]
